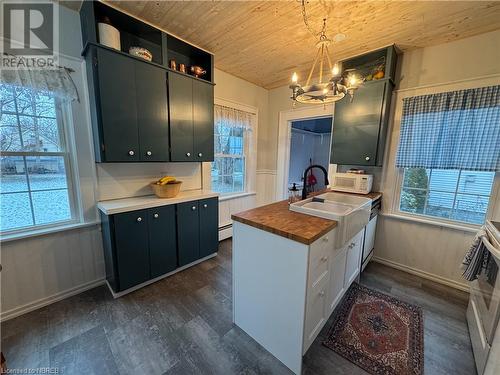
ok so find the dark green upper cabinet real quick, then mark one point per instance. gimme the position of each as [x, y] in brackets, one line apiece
[180, 91]
[115, 106]
[360, 127]
[129, 108]
[129, 97]
[152, 112]
[191, 105]
[203, 121]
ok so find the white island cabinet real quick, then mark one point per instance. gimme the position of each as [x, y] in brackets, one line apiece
[285, 290]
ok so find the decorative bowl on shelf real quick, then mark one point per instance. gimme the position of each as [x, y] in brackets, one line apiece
[143, 53]
[169, 190]
[197, 71]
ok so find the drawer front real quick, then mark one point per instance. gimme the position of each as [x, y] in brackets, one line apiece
[315, 310]
[319, 254]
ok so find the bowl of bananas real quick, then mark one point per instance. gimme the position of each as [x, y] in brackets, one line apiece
[166, 187]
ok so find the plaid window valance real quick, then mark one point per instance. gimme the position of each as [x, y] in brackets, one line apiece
[451, 130]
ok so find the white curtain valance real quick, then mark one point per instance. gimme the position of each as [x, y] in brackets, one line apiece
[55, 80]
[232, 118]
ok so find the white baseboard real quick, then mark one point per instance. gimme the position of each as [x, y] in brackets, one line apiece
[20, 310]
[423, 274]
[225, 233]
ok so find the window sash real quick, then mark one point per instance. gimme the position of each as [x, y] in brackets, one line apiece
[62, 119]
[401, 187]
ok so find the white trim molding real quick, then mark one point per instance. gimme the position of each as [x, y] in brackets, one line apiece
[284, 134]
[425, 275]
[42, 302]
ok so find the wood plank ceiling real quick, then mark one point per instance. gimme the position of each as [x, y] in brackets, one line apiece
[265, 41]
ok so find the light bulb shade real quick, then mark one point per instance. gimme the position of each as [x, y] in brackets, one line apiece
[335, 70]
[295, 77]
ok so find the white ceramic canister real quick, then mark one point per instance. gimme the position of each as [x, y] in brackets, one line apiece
[109, 35]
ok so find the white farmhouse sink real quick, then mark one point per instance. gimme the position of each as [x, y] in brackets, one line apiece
[350, 211]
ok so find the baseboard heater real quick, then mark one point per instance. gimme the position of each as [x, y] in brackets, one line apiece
[226, 231]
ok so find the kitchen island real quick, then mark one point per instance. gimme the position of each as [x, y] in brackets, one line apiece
[288, 276]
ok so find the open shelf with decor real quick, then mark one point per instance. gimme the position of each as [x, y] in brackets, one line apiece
[105, 25]
[183, 53]
[373, 66]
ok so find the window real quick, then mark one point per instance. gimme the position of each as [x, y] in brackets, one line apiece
[448, 153]
[231, 142]
[35, 188]
[455, 194]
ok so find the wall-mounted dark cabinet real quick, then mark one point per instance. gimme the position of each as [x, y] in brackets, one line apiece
[360, 127]
[197, 229]
[129, 101]
[191, 118]
[129, 108]
[145, 244]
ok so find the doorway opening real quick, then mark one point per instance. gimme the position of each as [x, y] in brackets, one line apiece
[309, 145]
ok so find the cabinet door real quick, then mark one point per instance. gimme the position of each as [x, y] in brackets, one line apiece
[188, 232]
[132, 249]
[152, 112]
[162, 240]
[315, 311]
[356, 126]
[117, 103]
[203, 121]
[209, 226]
[353, 262]
[180, 92]
[337, 273]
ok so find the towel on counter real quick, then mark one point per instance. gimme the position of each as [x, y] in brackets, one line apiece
[476, 258]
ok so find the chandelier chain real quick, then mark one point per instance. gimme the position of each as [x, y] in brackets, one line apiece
[306, 21]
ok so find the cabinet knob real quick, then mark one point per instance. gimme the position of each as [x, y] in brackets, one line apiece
[200, 154]
[205, 205]
[139, 219]
[156, 216]
[367, 158]
[149, 153]
[322, 293]
[188, 154]
[193, 208]
[131, 153]
[324, 259]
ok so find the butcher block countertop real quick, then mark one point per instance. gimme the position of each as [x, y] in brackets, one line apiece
[278, 219]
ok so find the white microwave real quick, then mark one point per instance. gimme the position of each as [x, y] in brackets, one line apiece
[352, 183]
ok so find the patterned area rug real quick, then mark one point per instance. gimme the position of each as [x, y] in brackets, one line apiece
[379, 333]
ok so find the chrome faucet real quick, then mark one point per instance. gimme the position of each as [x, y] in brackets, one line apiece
[304, 187]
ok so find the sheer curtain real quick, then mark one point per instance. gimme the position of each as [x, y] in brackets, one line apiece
[233, 150]
[56, 81]
[451, 130]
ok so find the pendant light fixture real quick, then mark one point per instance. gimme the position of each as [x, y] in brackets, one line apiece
[332, 84]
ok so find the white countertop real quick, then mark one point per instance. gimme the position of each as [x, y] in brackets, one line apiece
[116, 206]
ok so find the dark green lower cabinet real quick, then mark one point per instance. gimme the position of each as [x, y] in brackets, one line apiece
[188, 232]
[162, 240]
[209, 226]
[145, 244]
[131, 248]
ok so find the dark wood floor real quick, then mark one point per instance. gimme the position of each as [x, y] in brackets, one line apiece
[182, 325]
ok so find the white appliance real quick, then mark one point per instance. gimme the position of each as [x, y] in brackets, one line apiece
[369, 239]
[351, 182]
[483, 312]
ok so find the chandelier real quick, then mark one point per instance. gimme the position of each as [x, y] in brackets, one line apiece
[332, 84]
